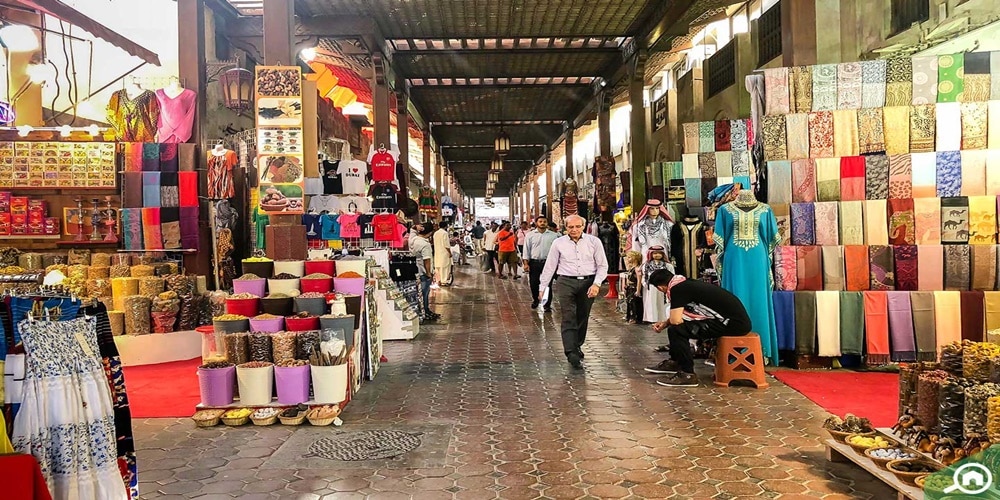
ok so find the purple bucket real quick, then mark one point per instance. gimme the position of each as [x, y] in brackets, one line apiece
[349, 285]
[255, 287]
[216, 385]
[292, 383]
[267, 325]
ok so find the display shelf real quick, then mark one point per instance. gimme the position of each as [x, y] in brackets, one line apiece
[30, 237]
[841, 452]
[273, 404]
[888, 432]
[97, 243]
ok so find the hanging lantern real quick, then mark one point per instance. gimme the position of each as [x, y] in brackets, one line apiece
[494, 177]
[237, 89]
[501, 145]
[496, 164]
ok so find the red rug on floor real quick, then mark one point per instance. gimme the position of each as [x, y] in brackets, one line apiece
[871, 395]
[163, 390]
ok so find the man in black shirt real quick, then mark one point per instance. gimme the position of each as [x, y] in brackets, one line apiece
[698, 311]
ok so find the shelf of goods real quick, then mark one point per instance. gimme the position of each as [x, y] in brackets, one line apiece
[841, 452]
[394, 324]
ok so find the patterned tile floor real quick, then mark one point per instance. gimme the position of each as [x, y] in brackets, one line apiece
[525, 425]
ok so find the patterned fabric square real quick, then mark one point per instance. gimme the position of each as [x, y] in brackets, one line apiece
[925, 79]
[706, 166]
[900, 177]
[896, 127]
[974, 115]
[774, 138]
[804, 180]
[741, 163]
[845, 132]
[802, 89]
[873, 83]
[871, 138]
[949, 173]
[776, 98]
[824, 78]
[797, 134]
[738, 140]
[951, 75]
[706, 137]
[821, 134]
[691, 140]
[849, 85]
[877, 177]
[899, 82]
[923, 128]
[722, 133]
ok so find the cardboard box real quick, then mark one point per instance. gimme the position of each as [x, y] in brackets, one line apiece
[52, 225]
[38, 206]
[19, 201]
[5, 201]
[19, 229]
[36, 229]
[17, 218]
[36, 218]
[286, 242]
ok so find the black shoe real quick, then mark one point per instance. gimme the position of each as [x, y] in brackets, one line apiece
[579, 352]
[547, 309]
[574, 360]
[534, 305]
[666, 367]
[679, 379]
[662, 348]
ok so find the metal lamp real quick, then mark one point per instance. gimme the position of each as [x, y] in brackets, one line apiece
[501, 145]
[497, 163]
[237, 89]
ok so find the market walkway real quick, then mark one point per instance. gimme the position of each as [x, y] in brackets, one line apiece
[501, 415]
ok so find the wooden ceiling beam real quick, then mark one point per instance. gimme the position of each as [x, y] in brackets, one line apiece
[511, 51]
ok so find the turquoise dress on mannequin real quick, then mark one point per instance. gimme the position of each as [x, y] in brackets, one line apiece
[745, 239]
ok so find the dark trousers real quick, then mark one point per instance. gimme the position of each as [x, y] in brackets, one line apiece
[709, 329]
[492, 255]
[425, 292]
[535, 268]
[574, 306]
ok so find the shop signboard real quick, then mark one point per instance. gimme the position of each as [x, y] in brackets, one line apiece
[278, 113]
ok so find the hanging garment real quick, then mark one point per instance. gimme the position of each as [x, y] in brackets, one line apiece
[608, 234]
[745, 240]
[903, 343]
[828, 323]
[691, 143]
[925, 79]
[922, 307]
[976, 81]
[856, 268]
[849, 85]
[688, 240]
[845, 133]
[779, 184]
[785, 265]
[930, 274]
[784, 319]
[852, 223]
[133, 120]
[974, 124]
[947, 318]
[876, 327]
[951, 70]
[775, 140]
[805, 322]
[176, 119]
[876, 223]
[852, 323]
[655, 307]
[827, 226]
[899, 82]
[724, 166]
[723, 131]
[809, 268]
[220, 175]
[828, 179]
[800, 83]
[821, 134]
[957, 267]
[955, 219]
[873, 82]
[824, 78]
[803, 181]
[803, 217]
[776, 95]
[833, 268]
[973, 172]
[739, 138]
[923, 128]
[982, 220]
[902, 227]
[880, 261]
[896, 127]
[852, 178]
[706, 137]
[876, 177]
[949, 173]
[900, 177]
[797, 136]
[871, 134]
[905, 258]
[927, 220]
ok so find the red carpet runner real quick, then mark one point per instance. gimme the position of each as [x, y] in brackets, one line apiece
[871, 395]
[163, 390]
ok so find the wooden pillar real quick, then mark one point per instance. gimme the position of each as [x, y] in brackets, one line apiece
[637, 118]
[568, 174]
[191, 70]
[279, 30]
[427, 157]
[439, 184]
[403, 136]
[380, 104]
[550, 186]
[604, 123]
[798, 32]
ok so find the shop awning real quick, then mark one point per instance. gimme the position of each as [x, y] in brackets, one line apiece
[59, 10]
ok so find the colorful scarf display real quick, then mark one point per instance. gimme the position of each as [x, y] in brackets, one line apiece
[189, 228]
[797, 134]
[974, 124]
[151, 236]
[741, 164]
[132, 228]
[132, 191]
[776, 97]
[849, 85]
[930, 274]
[824, 94]
[955, 219]
[852, 323]
[692, 192]
[187, 158]
[947, 318]
[957, 267]
[922, 307]
[925, 79]
[809, 269]
[927, 218]
[828, 179]
[993, 126]
[722, 136]
[973, 315]
[827, 225]
[169, 161]
[906, 259]
[992, 300]
[924, 174]
[784, 319]
[692, 142]
[739, 135]
[133, 156]
[724, 165]
[948, 127]
[706, 166]
[805, 322]
[845, 132]
[774, 138]
[804, 181]
[801, 88]
[828, 323]
[902, 228]
[782, 213]
[899, 82]
[706, 137]
[982, 220]
[852, 223]
[785, 277]
[821, 134]
[984, 267]
[187, 186]
[852, 178]
[150, 189]
[876, 177]
[880, 261]
[856, 267]
[689, 165]
[903, 344]
[876, 223]
[900, 176]
[169, 194]
[170, 228]
[977, 77]
[833, 268]
[779, 181]
[949, 173]
[876, 327]
[873, 83]
[896, 126]
[871, 134]
[150, 157]
[803, 224]
[923, 127]
[951, 68]
[973, 172]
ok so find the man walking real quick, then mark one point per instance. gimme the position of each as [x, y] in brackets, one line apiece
[421, 247]
[507, 245]
[490, 247]
[537, 244]
[442, 254]
[578, 262]
[478, 231]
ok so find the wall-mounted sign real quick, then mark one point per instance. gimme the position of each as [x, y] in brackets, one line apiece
[660, 112]
[279, 138]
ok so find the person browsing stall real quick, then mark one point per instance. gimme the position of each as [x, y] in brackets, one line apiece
[579, 264]
[537, 244]
[421, 246]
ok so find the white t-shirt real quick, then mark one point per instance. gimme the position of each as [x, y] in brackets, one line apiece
[324, 203]
[313, 185]
[490, 240]
[352, 174]
[361, 204]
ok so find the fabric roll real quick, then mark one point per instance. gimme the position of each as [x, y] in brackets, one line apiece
[993, 123]
[849, 85]
[809, 268]
[876, 326]
[151, 236]
[950, 77]
[828, 179]
[902, 226]
[783, 215]
[797, 136]
[828, 323]
[805, 322]
[973, 172]
[974, 124]
[955, 219]
[982, 220]
[899, 82]
[903, 344]
[774, 131]
[739, 135]
[804, 181]
[876, 177]
[779, 181]
[993, 171]
[845, 133]
[924, 174]
[896, 128]
[973, 308]
[132, 190]
[776, 96]
[150, 157]
[803, 218]
[871, 134]
[821, 134]
[187, 183]
[169, 162]
[785, 277]
[992, 301]
[880, 262]
[706, 166]
[876, 222]
[923, 128]
[692, 192]
[689, 162]
[827, 225]
[691, 139]
[984, 267]
[824, 93]
[784, 319]
[150, 189]
[724, 164]
[976, 80]
[852, 323]
[856, 268]
[948, 127]
[187, 158]
[833, 268]
[800, 79]
[706, 137]
[947, 318]
[722, 136]
[930, 273]
[925, 79]
[133, 156]
[922, 310]
[927, 220]
[900, 176]
[873, 83]
[907, 270]
[957, 267]
[852, 223]
[949, 173]
[132, 228]
[852, 178]
[189, 228]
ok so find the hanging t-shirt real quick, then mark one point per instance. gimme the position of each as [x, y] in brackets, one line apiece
[324, 203]
[383, 166]
[349, 227]
[384, 196]
[352, 175]
[331, 178]
[399, 238]
[355, 204]
[313, 226]
[312, 186]
[331, 226]
[447, 210]
[385, 227]
[367, 230]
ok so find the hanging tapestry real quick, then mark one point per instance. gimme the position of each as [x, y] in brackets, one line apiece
[692, 143]
[899, 82]
[774, 138]
[706, 137]
[949, 173]
[845, 132]
[982, 220]
[925, 79]
[923, 120]
[852, 223]
[900, 176]
[871, 136]
[927, 216]
[776, 97]
[722, 135]
[849, 85]
[852, 178]
[906, 267]
[951, 69]
[821, 134]
[802, 88]
[804, 181]
[873, 83]
[824, 78]
[902, 227]
[896, 126]
[955, 219]
[876, 177]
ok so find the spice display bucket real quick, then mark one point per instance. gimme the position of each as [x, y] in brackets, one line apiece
[287, 287]
[278, 306]
[320, 285]
[292, 384]
[255, 287]
[356, 264]
[216, 385]
[329, 383]
[315, 306]
[256, 385]
[353, 303]
[231, 326]
[243, 307]
[343, 323]
[212, 345]
[294, 267]
[264, 269]
[293, 324]
[267, 325]
[349, 285]
[320, 266]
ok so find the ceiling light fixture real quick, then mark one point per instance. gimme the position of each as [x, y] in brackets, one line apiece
[497, 163]
[501, 145]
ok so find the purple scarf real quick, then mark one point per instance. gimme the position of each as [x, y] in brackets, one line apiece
[904, 344]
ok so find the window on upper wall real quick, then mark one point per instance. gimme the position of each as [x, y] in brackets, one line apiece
[769, 39]
[721, 69]
[907, 12]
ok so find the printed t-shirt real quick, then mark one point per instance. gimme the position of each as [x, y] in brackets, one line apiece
[383, 166]
[423, 250]
[367, 230]
[331, 179]
[399, 239]
[324, 203]
[355, 204]
[352, 174]
[331, 226]
[385, 227]
[349, 227]
[313, 227]
[383, 196]
[702, 300]
[506, 241]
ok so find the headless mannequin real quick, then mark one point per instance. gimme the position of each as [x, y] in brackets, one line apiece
[219, 150]
[133, 90]
[173, 89]
[746, 201]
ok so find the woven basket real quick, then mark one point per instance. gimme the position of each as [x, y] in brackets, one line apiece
[235, 422]
[293, 421]
[860, 450]
[322, 422]
[264, 422]
[207, 418]
[909, 477]
[842, 436]
[881, 462]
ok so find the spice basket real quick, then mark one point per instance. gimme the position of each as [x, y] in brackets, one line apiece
[292, 384]
[207, 418]
[264, 269]
[255, 287]
[289, 287]
[236, 422]
[320, 266]
[329, 383]
[312, 305]
[841, 436]
[860, 450]
[294, 267]
[271, 325]
[216, 385]
[243, 307]
[293, 421]
[278, 306]
[264, 422]
[255, 384]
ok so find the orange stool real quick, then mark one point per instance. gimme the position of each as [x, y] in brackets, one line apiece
[740, 358]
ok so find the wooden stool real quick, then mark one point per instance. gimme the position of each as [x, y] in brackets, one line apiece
[740, 358]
